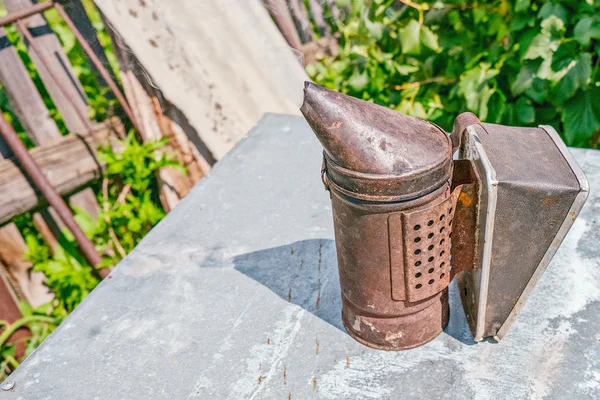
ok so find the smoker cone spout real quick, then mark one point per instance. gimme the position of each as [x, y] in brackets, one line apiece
[389, 176]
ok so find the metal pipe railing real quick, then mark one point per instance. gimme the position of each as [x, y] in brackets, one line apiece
[42, 183]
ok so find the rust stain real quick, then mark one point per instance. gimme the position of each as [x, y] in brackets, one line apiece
[133, 13]
[314, 381]
[465, 199]
[531, 189]
[153, 43]
[572, 213]
[383, 145]
[290, 396]
[292, 251]
[260, 379]
[284, 375]
[336, 125]
[142, 3]
[347, 361]
[549, 201]
[268, 340]
[317, 346]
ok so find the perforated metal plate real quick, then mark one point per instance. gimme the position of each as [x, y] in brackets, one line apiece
[426, 246]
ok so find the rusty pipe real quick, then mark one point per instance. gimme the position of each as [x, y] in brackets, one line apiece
[98, 64]
[24, 13]
[45, 187]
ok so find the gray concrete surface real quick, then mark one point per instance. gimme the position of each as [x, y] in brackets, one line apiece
[235, 296]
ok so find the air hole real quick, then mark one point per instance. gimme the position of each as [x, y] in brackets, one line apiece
[418, 251]
[430, 235]
[417, 227]
[430, 222]
[431, 281]
[450, 223]
[418, 275]
[430, 247]
[442, 241]
[450, 210]
[442, 276]
[430, 259]
[450, 235]
[419, 286]
[430, 270]
[417, 239]
[442, 217]
[442, 253]
[441, 229]
[417, 263]
[442, 264]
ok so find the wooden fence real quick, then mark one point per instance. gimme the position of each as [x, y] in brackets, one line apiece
[69, 162]
[307, 29]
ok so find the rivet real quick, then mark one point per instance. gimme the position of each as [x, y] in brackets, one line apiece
[8, 385]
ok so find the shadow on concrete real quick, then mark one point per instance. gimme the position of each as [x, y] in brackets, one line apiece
[306, 273]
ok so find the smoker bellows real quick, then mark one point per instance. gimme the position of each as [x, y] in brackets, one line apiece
[408, 218]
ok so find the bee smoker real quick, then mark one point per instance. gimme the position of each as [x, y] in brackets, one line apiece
[408, 218]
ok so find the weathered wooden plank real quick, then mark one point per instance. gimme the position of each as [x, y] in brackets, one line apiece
[24, 98]
[76, 11]
[154, 125]
[318, 15]
[303, 24]
[29, 284]
[280, 13]
[9, 310]
[69, 164]
[221, 63]
[59, 63]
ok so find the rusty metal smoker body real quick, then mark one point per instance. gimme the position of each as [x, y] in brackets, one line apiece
[392, 217]
[397, 195]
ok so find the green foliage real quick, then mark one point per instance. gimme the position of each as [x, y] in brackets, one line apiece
[133, 208]
[522, 62]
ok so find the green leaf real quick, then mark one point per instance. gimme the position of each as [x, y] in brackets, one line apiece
[410, 37]
[404, 69]
[550, 8]
[429, 39]
[522, 5]
[587, 28]
[474, 87]
[538, 90]
[375, 29]
[553, 26]
[523, 80]
[563, 56]
[580, 117]
[496, 107]
[358, 81]
[577, 77]
[525, 111]
[134, 225]
[539, 47]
